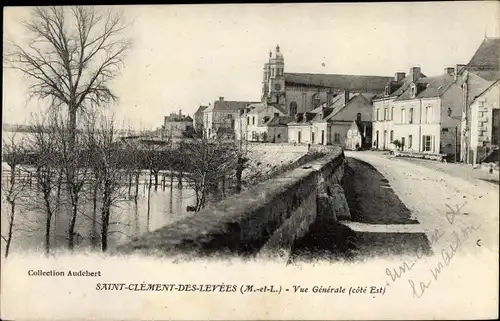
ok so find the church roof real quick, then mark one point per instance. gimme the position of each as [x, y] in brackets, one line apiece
[349, 82]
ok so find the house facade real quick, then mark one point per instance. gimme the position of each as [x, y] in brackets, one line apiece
[222, 116]
[198, 119]
[261, 122]
[427, 116]
[384, 110]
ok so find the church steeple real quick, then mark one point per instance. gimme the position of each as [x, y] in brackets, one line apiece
[273, 86]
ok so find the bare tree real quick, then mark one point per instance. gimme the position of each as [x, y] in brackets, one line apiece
[13, 153]
[44, 144]
[208, 162]
[72, 55]
[111, 171]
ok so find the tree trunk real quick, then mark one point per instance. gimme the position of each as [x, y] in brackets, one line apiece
[136, 187]
[93, 236]
[156, 180]
[47, 222]
[11, 226]
[149, 201]
[72, 223]
[129, 184]
[105, 214]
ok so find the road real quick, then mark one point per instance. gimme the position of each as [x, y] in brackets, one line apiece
[400, 207]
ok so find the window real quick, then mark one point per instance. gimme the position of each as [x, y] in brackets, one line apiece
[444, 130]
[299, 137]
[411, 115]
[248, 120]
[293, 108]
[253, 120]
[448, 112]
[428, 114]
[392, 113]
[277, 87]
[392, 136]
[377, 114]
[230, 116]
[279, 135]
[410, 139]
[312, 137]
[427, 140]
[358, 117]
[403, 116]
[386, 114]
[413, 91]
[336, 138]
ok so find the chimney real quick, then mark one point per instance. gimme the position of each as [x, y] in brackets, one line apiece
[180, 112]
[449, 71]
[399, 76]
[415, 73]
[458, 69]
[221, 98]
[346, 96]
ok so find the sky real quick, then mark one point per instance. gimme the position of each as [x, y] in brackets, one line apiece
[185, 56]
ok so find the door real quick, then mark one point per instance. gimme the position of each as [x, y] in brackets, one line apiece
[299, 137]
[376, 140]
[322, 137]
[402, 143]
[312, 137]
[385, 139]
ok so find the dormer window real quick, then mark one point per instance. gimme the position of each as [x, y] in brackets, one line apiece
[387, 90]
[413, 91]
[449, 112]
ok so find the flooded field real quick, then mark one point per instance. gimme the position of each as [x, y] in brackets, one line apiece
[128, 219]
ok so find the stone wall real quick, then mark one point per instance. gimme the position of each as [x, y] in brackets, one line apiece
[264, 220]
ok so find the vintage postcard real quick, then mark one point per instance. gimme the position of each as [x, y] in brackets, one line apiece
[251, 161]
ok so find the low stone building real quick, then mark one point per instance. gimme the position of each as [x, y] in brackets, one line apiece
[177, 125]
[485, 123]
[479, 74]
[359, 135]
[328, 124]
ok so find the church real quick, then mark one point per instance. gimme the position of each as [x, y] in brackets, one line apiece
[295, 93]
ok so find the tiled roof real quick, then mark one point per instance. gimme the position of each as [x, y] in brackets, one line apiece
[232, 106]
[201, 109]
[348, 82]
[280, 121]
[487, 56]
[429, 87]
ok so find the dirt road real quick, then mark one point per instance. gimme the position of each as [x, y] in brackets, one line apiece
[441, 203]
[400, 207]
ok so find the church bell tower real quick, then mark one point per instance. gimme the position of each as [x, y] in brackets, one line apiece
[273, 88]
